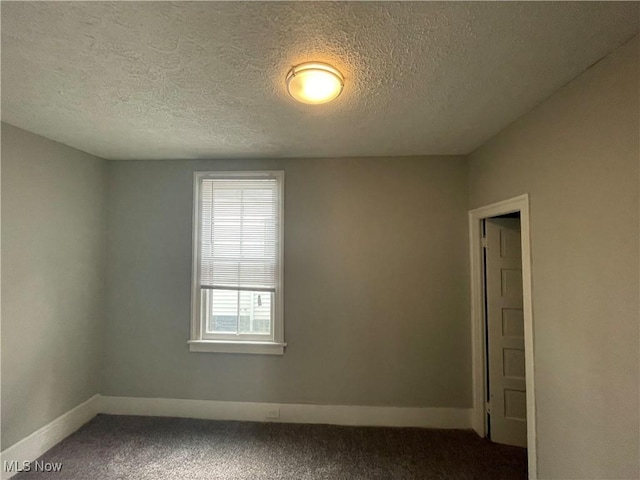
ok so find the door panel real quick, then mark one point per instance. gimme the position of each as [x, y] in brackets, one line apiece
[505, 330]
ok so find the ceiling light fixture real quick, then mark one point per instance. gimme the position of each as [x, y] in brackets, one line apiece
[314, 83]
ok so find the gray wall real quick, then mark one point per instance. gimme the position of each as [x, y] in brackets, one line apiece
[53, 261]
[577, 156]
[376, 286]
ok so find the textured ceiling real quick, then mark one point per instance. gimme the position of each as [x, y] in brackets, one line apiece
[156, 80]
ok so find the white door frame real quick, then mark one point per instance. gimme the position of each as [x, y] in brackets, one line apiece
[516, 204]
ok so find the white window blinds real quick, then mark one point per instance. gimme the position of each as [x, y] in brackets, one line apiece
[239, 234]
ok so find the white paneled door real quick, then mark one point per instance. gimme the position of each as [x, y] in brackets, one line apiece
[505, 332]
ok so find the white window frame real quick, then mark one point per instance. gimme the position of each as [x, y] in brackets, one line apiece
[197, 342]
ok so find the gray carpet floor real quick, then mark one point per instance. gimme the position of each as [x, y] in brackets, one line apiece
[148, 448]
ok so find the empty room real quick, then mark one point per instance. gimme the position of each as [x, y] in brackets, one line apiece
[320, 240]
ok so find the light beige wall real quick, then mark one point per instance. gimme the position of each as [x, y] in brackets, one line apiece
[577, 155]
[53, 262]
[376, 286]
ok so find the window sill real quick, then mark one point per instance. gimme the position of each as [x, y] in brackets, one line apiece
[220, 346]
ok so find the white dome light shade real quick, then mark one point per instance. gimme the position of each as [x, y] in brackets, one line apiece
[314, 83]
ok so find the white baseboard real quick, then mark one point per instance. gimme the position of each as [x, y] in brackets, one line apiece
[30, 448]
[451, 418]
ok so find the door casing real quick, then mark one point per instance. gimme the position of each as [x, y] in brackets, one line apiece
[479, 423]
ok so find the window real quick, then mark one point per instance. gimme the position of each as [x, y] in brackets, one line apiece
[237, 304]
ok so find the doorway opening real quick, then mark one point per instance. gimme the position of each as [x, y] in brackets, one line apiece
[502, 325]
